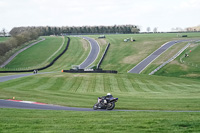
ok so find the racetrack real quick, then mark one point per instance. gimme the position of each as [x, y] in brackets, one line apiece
[144, 63]
[29, 105]
[94, 52]
[10, 77]
[6, 78]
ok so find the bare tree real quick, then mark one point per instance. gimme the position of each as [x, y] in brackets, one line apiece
[148, 29]
[4, 32]
[155, 30]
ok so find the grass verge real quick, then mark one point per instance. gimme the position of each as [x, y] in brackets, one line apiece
[17, 120]
[37, 55]
[187, 67]
[77, 52]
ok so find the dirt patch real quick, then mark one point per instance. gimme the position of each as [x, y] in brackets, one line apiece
[184, 67]
[58, 76]
[101, 41]
[193, 45]
[133, 59]
[79, 75]
[191, 75]
[85, 44]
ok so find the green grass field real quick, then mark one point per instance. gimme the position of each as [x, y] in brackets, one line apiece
[81, 90]
[77, 52]
[14, 50]
[2, 39]
[135, 92]
[23, 121]
[38, 55]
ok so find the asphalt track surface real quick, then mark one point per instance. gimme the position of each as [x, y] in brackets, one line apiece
[144, 63]
[42, 106]
[6, 78]
[94, 52]
[10, 77]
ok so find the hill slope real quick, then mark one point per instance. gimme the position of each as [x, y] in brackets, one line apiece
[184, 66]
[122, 56]
[81, 90]
[37, 55]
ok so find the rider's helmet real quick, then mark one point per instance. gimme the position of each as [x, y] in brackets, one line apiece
[108, 94]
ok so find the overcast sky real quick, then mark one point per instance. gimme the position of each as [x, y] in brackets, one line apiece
[164, 14]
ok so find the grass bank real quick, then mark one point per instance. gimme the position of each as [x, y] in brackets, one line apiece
[81, 90]
[187, 67]
[38, 55]
[122, 56]
[77, 52]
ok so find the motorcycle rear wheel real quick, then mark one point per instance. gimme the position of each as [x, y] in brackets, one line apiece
[110, 106]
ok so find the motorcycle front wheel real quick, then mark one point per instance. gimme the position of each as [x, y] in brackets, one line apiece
[95, 107]
[110, 106]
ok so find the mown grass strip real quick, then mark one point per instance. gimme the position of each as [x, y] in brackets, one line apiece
[75, 54]
[72, 89]
[36, 54]
[18, 120]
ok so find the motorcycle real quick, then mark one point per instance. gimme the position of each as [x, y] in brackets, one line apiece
[108, 103]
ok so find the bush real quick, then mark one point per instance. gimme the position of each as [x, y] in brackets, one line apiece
[18, 39]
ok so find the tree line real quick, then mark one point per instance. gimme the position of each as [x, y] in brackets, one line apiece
[21, 35]
[18, 39]
[51, 30]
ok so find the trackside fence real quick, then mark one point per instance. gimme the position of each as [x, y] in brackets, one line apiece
[171, 59]
[104, 54]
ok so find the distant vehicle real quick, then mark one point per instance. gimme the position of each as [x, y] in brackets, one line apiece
[127, 39]
[102, 36]
[184, 35]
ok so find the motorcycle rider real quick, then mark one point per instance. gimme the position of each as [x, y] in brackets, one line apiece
[105, 102]
[105, 98]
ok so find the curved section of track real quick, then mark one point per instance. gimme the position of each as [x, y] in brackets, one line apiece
[144, 63]
[94, 52]
[42, 106]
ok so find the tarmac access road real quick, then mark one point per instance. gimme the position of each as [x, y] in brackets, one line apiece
[42, 106]
[94, 52]
[144, 63]
[10, 77]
